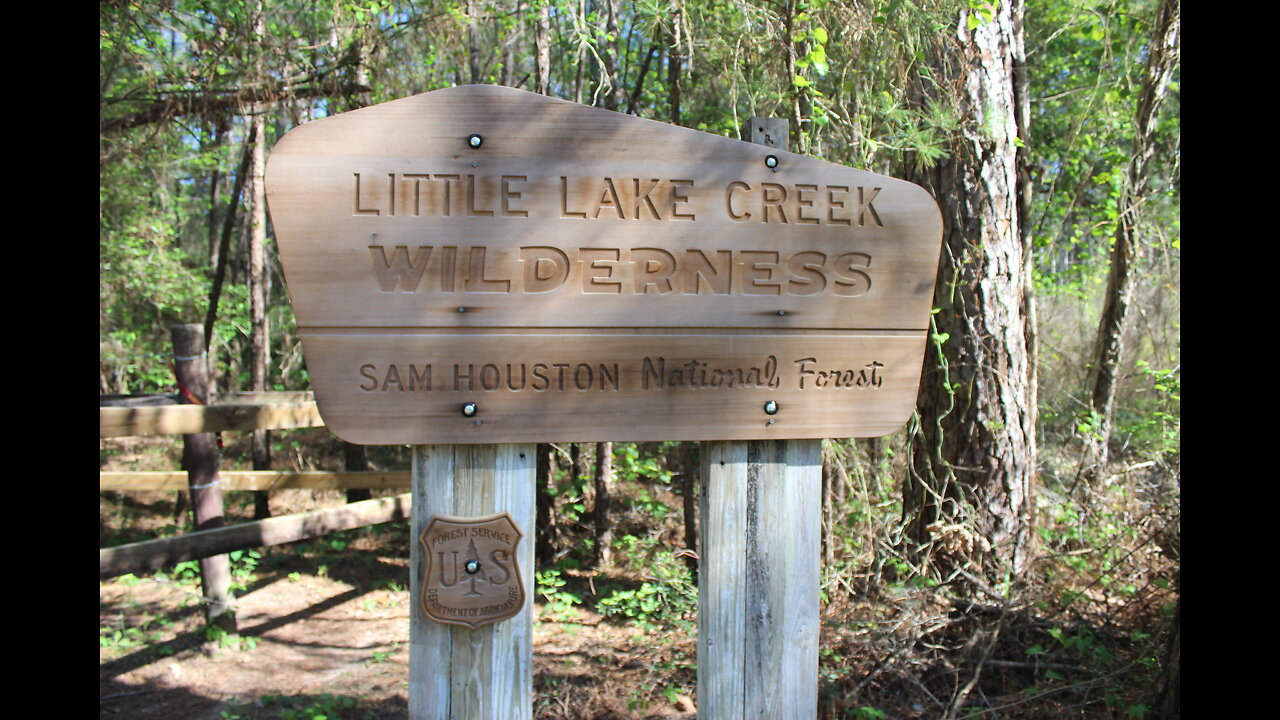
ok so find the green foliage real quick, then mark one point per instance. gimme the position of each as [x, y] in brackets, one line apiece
[1082, 644]
[642, 462]
[560, 603]
[1153, 419]
[569, 494]
[243, 566]
[325, 706]
[244, 563]
[186, 572]
[666, 598]
[644, 466]
[1094, 550]
[149, 282]
[150, 631]
[229, 640]
[1085, 88]
[383, 656]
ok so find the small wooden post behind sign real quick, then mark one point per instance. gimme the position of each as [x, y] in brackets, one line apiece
[759, 570]
[200, 460]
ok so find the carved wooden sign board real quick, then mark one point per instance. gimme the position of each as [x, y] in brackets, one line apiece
[481, 264]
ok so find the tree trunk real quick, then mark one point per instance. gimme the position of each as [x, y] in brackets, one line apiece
[1022, 115]
[613, 91]
[638, 88]
[542, 44]
[575, 462]
[973, 453]
[355, 459]
[690, 501]
[674, 61]
[828, 484]
[473, 43]
[215, 193]
[507, 39]
[545, 550]
[835, 494]
[228, 225]
[1162, 60]
[801, 106]
[200, 461]
[1170, 700]
[259, 353]
[600, 513]
[876, 458]
[356, 95]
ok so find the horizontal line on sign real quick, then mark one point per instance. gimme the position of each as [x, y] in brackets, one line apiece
[562, 330]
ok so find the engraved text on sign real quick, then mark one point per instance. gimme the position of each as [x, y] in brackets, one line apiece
[584, 275]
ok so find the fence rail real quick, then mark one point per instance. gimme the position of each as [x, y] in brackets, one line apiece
[241, 412]
[258, 480]
[128, 416]
[151, 555]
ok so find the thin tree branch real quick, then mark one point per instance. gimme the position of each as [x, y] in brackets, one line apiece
[224, 247]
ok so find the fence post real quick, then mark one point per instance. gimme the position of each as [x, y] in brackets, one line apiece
[456, 672]
[200, 460]
[758, 580]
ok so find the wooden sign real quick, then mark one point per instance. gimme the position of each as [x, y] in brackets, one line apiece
[481, 264]
[471, 577]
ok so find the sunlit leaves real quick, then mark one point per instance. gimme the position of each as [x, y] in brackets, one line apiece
[858, 76]
[1085, 61]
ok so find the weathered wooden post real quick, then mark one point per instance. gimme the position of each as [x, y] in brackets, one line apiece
[758, 580]
[471, 660]
[200, 460]
[478, 269]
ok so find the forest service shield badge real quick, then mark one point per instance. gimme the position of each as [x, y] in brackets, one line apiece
[471, 575]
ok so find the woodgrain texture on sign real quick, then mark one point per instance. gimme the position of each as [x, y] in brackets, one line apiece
[583, 275]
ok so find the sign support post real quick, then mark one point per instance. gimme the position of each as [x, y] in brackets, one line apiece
[758, 580]
[458, 672]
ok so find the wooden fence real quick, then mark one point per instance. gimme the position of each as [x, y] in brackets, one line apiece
[237, 412]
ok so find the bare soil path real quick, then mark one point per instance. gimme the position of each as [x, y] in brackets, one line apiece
[323, 631]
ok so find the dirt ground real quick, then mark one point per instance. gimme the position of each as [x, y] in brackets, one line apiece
[325, 643]
[323, 630]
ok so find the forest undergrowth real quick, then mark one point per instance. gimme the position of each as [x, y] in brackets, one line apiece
[1082, 634]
